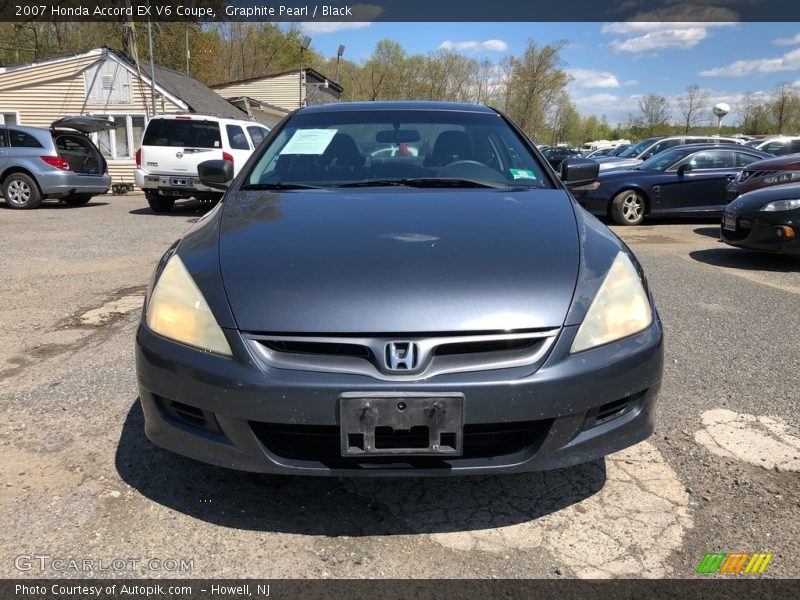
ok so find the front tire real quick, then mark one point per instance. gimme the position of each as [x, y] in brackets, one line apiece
[158, 203]
[21, 192]
[77, 200]
[627, 208]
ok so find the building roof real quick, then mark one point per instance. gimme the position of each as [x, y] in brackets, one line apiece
[199, 97]
[309, 71]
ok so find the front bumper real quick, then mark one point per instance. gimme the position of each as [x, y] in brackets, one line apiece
[237, 414]
[759, 233]
[56, 183]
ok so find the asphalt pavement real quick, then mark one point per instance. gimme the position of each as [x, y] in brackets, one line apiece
[78, 479]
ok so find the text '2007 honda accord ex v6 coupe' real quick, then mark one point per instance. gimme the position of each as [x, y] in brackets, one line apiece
[398, 289]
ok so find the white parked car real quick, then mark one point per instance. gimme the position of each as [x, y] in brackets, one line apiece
[173, 146]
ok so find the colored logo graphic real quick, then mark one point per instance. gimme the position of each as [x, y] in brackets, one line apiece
[734, 563]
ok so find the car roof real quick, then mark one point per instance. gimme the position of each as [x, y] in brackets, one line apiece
[397, 105]
[710, 146]
[199, 117]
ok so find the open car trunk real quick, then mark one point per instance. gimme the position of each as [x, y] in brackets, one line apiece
[83, 157]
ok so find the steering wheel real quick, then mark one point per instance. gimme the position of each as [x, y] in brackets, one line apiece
[468, 168]
[459, 163]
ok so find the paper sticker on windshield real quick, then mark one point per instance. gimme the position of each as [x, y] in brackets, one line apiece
[522, 174]
[309, 141]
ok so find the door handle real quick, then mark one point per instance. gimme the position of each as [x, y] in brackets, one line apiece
[730, 177]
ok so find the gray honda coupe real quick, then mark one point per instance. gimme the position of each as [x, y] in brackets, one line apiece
[398, 288]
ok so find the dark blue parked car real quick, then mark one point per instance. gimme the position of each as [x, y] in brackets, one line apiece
[687, 179]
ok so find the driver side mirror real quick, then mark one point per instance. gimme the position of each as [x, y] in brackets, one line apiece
[216, 174]
[684, 167]
[576, 172]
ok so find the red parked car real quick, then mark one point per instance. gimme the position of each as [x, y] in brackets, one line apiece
[764, 173]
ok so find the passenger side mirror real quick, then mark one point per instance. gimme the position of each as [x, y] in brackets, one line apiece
[683, 168]
[579, 171]
[216, 174]
[646, 155]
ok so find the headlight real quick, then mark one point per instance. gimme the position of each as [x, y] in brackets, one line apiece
[178, 311]
[783, 177]
[620, 308]
[780, 205]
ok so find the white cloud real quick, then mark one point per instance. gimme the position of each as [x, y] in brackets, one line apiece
[795, 39]
[654, 30]
[630, 83]
[474, 46]
[741, 68]
[592, 78]
[323, 27]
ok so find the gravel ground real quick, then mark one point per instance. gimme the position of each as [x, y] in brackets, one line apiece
[80, 481]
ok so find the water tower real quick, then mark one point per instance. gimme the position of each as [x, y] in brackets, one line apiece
[720, 110]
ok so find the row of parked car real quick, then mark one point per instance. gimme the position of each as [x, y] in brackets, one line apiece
[62, 163]
[692, 175]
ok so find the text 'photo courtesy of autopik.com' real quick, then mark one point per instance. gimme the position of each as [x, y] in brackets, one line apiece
[399, 300]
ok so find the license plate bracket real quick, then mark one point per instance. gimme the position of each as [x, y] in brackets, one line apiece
[401, 423]
[729, 222]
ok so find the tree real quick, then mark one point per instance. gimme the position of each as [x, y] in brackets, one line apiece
[784, 108]
[692, 106]
[753, 113]
[654, 113]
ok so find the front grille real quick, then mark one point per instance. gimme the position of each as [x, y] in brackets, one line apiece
[321, 443]
[432, 355]
[745, 175]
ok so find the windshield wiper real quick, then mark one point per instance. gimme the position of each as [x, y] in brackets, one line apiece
[423, 182]
[281, 186]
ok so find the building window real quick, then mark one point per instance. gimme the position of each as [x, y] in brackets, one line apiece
[121, 141]
[9, 118]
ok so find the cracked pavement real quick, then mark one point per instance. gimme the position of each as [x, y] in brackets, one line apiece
[79, 479]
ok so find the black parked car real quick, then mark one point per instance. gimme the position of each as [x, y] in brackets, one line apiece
[555, 155]
[448, 313]
[684, 180]
[767, 219]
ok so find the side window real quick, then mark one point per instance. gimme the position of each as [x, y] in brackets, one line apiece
[237, 138]
[713, 159]
[20, 139]
[256, 134]
[776, 148]
[3, 143]
[746, 159]
[663, 145]
[795, 146]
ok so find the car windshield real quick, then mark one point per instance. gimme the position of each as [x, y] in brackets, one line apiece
[636, 150]
[397, 147]
[663, 160]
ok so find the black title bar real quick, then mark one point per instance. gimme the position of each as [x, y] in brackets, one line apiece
[400, 10]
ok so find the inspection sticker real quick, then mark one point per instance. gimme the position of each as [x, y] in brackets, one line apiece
[309, 141]
[522, 174]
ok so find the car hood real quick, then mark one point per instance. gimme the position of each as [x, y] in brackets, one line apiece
[83, 123]
[617, 163]
[753, 201]
[398, 260]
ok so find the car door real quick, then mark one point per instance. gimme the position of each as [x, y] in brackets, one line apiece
[701, 186]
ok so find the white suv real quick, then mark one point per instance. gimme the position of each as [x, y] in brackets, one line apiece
[173, 146]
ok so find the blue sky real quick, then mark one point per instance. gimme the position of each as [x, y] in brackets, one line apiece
[612, 63]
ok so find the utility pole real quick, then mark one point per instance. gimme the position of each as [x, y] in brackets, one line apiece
[186, 41]
[152, 66]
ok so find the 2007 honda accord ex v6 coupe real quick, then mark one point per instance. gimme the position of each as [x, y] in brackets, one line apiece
[398, 289]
